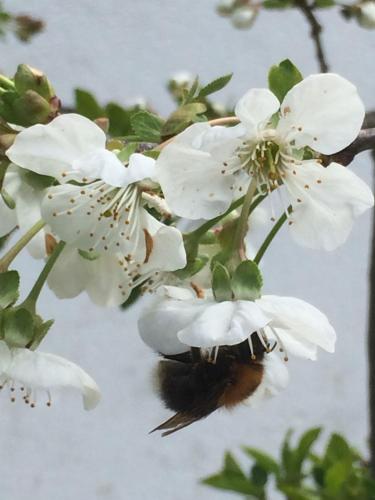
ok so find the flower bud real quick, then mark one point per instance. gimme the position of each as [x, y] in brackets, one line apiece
[366, 14]
[243, 17]
[225, 7]
[28, 78]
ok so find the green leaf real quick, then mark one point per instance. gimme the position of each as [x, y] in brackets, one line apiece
[263, 459]
[259, 475]
[9, 285]
[127, 151]
[87, 105]
[336, 450]
[277, 4]
[231, 465]
[17, 327]
[221, 283]
[323, 4]
[215, 85]
[336, 476]
[191, 93]
[247, 281]
[305, 444]
[181, 118]
[119, 119]
[232, 478]
[147, 126]
[232, 483]
[282, 78]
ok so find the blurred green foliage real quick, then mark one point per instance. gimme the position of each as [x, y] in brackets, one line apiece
[23, 26]
[337, 473]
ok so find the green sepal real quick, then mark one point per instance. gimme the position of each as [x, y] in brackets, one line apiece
[135, 294]
[147, 126]
[17, 327]
[221, 283]
[87, 105]
[89, 255]
[9, 288]
[41, 329]
[282, 77]
[182, 117]
[192, 267]
[152, 153]
[7, 199]
[247, 281]
[215, 85]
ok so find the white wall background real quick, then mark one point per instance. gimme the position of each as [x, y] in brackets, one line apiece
[122, 49]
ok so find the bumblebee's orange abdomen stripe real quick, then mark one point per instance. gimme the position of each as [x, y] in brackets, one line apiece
[246, 379]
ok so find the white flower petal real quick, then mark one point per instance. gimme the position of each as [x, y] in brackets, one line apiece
[77, 215]
[69, 275]
[275, 379]
[158, 326]
[5, 357]
[255, 108]
[101, 164]
[28, 199]
[140, 167]
[323, 111]
[8, 218]
[366, 16]
[165, 240]
[330, 199]
[299, 320]
[223, 323]
[175, 292]
[38, 370]
[51, 149]
[191, 178]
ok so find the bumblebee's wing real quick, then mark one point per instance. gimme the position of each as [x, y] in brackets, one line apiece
[176, 423]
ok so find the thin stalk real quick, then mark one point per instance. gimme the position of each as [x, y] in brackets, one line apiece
[30, 301]
[12, 253]
[266, 243]
[241, 229]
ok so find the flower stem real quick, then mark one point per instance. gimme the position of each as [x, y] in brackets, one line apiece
[266, 243]
[8, 258]
[241, 229]
[226, 120]
[30, 301]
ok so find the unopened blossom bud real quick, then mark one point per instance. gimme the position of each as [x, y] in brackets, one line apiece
[366, 15]
[30, 108]
[243, 17]
[28, 78]
[225, 7]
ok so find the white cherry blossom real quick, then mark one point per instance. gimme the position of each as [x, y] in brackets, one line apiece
[178, 320]
[34, 373]
[98, 207]
[205, 168]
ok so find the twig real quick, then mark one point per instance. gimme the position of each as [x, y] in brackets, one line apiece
[365, 141]
[371, 349]
[316, 29]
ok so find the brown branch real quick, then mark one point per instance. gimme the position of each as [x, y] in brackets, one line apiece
[365, 141]
[316, 30]
[371, 349]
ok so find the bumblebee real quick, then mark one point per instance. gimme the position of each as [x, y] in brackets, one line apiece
[198, 382]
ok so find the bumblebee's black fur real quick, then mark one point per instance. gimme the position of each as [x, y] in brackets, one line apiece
[192, 386]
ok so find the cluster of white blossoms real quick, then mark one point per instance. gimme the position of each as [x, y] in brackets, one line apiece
[99, 203]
